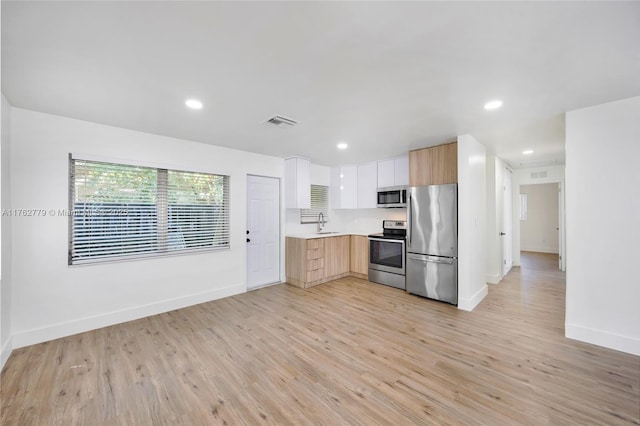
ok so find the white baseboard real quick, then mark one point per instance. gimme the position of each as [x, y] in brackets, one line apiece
[609, 340]
[56, 331]
[470, 303]
[541, 249]
[493, 278]
[6, 351]
[266, 285]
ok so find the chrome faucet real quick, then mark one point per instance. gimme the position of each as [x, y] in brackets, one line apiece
[321, 221]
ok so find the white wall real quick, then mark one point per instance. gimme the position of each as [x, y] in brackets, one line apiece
[603, 209]
[539, 232]
[5, 232]
[51, 299]
[365, 221]
[550, 174]
[472, 222]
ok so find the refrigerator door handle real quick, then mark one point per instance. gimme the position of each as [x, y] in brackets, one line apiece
[432, 259]
[410, 206]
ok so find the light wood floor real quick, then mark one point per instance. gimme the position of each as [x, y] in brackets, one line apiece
[345, 352]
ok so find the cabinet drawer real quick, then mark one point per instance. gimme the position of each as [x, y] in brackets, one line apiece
[314, 264]
[316, 275]
[315, 254]
[317, 243]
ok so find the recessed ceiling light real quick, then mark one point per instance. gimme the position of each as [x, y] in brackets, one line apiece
[342, 145]
[493, 104]
[193, 103]
[527, 152]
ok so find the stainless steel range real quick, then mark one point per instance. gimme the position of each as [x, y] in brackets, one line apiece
[387, 254]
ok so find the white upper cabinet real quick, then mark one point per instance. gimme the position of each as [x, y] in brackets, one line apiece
[393, 172]
[297, 178]
[386, 173]
[367, 185]
[401, 170]
[344, 187]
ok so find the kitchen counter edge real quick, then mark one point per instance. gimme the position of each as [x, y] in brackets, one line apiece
[311, 235]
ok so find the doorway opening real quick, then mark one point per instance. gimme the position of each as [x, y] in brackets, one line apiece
[540, 218]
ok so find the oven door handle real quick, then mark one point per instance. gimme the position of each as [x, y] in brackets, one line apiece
[386, 240]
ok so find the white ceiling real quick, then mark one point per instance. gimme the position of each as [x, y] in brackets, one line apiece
[385, 77]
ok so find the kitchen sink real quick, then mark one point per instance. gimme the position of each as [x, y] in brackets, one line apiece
[326, 232]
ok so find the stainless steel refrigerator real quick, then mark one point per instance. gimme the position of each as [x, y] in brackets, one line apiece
[432, 242]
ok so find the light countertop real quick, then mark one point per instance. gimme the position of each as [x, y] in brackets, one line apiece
[310, 235]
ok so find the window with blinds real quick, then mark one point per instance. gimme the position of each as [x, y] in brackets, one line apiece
[120, 211]
[319, 203]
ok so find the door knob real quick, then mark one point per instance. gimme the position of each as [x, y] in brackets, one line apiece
[247, 232]
[502, 233]
[248, 240]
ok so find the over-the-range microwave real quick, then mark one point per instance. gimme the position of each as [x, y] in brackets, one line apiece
[392, 197]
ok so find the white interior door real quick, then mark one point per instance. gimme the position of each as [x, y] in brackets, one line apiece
[263, 231]
[507, 223]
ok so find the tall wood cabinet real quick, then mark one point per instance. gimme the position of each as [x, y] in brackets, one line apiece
[434, 165]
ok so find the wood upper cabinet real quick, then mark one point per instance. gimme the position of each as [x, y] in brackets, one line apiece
[434, 166]
[359, 255]
[336, 256]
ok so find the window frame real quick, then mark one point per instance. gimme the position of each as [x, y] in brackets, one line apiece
[306, 213]
[160, 251]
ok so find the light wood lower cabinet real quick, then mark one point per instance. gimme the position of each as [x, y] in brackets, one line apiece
[315, 261]
[304, 263]
[359, 256]
[336, 257]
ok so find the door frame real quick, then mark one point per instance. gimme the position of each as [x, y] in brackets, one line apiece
[509, 233]
[562, 219]
[280, 231]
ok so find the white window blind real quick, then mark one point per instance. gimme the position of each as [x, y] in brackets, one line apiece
[121, 211]
[319, 203]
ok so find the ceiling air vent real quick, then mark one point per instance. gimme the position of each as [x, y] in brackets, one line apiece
[539, 175]
[540, 163]
[281, 121]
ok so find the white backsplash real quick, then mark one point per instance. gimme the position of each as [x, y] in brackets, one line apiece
[292, 223]
[361, 221]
